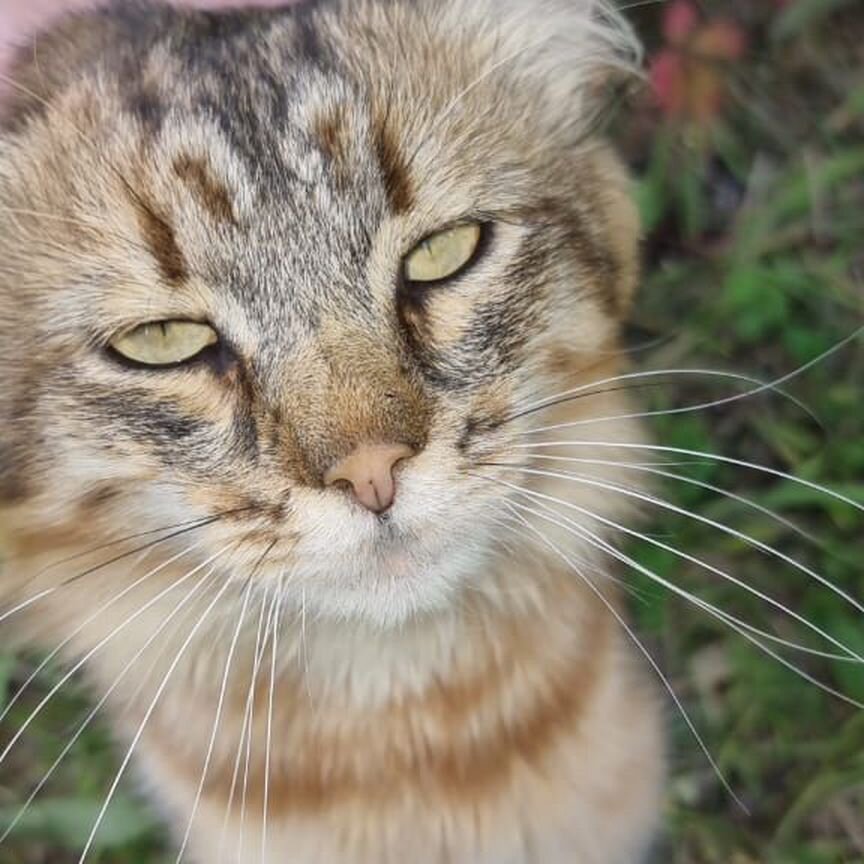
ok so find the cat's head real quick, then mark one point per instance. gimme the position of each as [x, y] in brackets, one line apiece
[298, 270]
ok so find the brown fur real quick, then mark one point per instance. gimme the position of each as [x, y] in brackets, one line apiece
[211, 194]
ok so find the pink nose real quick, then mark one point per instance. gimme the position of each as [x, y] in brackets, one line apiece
[369, 472]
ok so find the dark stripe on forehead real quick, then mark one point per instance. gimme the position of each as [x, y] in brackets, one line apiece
[145, 105]
[206, 189]
[394, 171]
[331, 135]
[159, 237]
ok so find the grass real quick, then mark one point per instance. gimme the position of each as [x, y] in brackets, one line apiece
[755, 255]
[756, 260]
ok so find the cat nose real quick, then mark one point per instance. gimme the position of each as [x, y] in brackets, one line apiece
[369, 472]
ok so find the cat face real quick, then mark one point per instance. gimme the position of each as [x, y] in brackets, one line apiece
[237, 250]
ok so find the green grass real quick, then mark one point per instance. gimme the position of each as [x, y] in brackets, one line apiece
[760, 286]
[762, 290]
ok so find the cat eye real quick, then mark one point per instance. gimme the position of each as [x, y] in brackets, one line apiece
[165, 343]
[443, 255]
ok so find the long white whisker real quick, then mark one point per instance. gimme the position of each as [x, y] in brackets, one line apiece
[148, 714]
[690, 481]
[763, 386]
[683, 555]
[91, 570]
[180, 528]
[258, 663]
[246, 727]
[588, 390]
[643, 650]
[713, 523]
[584, 533]
[716, 457]
[739, 627]
[80, 629]
[217, 720]
[101, 644]
[598, 542]
[270, 700]
[27, 603]
[101, 704]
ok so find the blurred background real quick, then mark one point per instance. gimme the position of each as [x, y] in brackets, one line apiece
[747, 142]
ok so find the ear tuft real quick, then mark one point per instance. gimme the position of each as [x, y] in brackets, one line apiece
[575, 52]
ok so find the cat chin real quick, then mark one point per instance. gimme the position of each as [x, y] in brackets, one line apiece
[384, 590]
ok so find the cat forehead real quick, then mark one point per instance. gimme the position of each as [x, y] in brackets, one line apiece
[264, 151]
[279, 214]
[283, 182]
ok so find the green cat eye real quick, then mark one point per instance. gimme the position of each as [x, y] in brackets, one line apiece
[165, 343]
[443, 255]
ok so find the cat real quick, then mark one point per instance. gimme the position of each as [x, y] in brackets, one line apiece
[283, 293]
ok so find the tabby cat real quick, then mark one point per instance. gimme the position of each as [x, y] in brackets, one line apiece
[282, 292]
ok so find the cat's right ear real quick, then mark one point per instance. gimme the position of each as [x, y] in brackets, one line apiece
[45, 63]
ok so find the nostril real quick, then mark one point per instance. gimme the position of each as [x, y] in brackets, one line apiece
[342, 485]
[369, 473]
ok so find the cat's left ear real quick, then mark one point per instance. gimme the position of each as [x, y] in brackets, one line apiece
[569, 61]
[573, 56]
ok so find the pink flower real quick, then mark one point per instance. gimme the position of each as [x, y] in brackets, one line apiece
[680, 19]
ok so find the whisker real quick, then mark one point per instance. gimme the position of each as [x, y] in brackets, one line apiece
[763, 386]
[631, 635]
[585, 564]
[738, 626]
[220, 704]
[697, 561]
[258, 663]
[716, 457]
[588, 390]
[93, 651]
[580, 531]
[585, 533]
[26, 604]
[172, 536]
[201, 522]
[690, 481]
[158, 659]
[148, 714]
[41, 595]
[267, 750]
[80, 629]
[596, 541]
[99, 706]
[245, 727]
